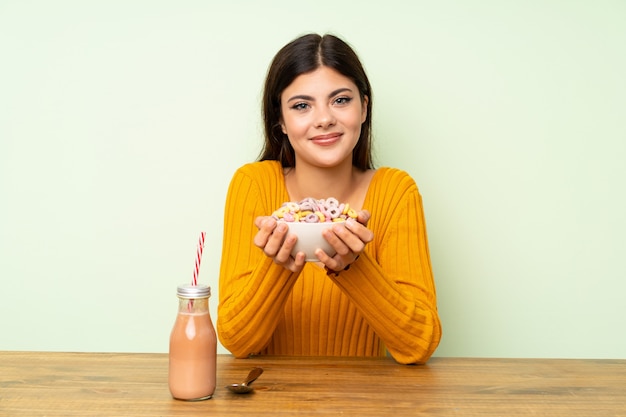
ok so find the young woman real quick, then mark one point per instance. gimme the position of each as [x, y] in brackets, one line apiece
[376, 294]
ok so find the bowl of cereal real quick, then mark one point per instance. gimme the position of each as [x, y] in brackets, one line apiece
[310, 239]
[308, 218]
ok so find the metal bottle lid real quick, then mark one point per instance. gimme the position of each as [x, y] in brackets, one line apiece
[193, 291]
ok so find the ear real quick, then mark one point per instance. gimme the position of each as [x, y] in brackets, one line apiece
[364, 102]
[282, 126]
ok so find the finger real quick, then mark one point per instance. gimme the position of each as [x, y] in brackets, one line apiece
[354, 237]
[276, 241]
[294, 264]
[364, 234]
[266, 227]
[258, 222]
[363, 217]
[299, 262]
[329, 262]
[338, 236]
[283, 254]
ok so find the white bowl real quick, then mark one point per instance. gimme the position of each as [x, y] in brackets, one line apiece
[310, 239]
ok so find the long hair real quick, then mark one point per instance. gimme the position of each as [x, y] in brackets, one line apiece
[303, 55]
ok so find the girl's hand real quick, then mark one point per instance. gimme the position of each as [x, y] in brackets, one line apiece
[348, 239]
[273, 239]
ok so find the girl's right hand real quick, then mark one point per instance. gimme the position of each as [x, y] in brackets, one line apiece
[273, 239]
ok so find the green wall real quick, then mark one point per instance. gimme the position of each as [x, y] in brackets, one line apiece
[121, 123]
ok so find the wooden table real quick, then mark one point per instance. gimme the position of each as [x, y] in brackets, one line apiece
[118, 384]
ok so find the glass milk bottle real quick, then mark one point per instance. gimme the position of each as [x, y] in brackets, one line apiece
[193, 346]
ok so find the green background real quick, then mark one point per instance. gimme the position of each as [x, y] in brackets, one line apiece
[121, 123]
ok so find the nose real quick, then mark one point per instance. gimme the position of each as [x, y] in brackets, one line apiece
[325, 117]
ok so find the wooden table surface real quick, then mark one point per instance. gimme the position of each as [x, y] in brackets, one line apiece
[119, 384]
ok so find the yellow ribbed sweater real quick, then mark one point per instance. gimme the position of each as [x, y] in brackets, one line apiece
[386, 300]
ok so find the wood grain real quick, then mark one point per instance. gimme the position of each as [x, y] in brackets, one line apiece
[119, 384]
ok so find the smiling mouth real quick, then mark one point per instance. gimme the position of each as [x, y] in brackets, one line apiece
[326, 139]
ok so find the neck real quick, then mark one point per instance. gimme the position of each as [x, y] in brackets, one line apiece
[308, 181]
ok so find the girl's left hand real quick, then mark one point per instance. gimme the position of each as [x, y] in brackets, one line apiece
[348, 239]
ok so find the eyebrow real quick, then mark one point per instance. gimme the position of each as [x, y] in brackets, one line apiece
[310, 98]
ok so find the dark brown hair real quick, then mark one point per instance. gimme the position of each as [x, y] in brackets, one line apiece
[303, 55]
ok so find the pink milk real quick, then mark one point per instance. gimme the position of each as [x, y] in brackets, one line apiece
[193, 347]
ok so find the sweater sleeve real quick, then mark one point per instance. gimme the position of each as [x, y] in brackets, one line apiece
[392, 283]
[252, 288]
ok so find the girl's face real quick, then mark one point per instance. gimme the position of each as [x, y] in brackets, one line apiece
[322, 114]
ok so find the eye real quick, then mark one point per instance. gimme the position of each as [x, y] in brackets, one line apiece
[343, 100]
[300, 106]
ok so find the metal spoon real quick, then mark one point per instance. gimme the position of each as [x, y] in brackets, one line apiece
[245, 387]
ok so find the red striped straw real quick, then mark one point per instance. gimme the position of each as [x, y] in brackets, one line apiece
[196, 270]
